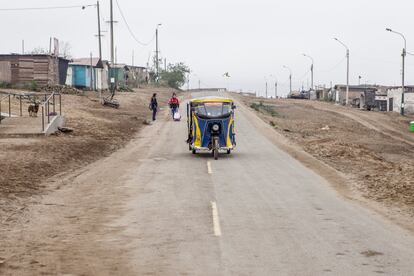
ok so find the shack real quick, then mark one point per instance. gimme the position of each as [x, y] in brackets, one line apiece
[40, 69]
[394, 95]
[137, 75]
[86, 73]
[121, 74]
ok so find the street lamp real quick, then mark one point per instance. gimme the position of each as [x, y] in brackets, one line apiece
[290, 78]
[267, 86]
[347, 69]
[275, 85]
[305, 55]
[404, 53]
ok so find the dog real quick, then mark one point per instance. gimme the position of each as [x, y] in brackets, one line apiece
[33, 109]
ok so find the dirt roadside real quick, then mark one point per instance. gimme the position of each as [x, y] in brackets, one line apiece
[372, 152]
[98, 131]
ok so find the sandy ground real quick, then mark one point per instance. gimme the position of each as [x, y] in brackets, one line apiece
[372, 150]
[27, 162]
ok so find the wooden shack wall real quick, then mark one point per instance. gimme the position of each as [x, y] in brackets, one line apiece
[5, 71]
[20, 70]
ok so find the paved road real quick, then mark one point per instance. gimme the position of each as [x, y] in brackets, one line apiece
[156, 209]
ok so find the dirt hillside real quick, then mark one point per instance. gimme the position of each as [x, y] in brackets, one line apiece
[373, 150]
[98, 131]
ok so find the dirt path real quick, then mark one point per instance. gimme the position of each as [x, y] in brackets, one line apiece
[390, 125]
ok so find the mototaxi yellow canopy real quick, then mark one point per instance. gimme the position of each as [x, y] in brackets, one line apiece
[211, 99]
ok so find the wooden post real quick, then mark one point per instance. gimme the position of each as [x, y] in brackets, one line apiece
[43, 118]
[21, 108]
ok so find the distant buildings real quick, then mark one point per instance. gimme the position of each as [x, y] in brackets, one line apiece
[30, 71]
[371, 97]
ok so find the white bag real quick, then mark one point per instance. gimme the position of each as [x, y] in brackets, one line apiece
[177, 116]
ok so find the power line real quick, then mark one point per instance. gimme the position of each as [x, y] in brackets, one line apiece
[334, 67]
[48, 8]
[129, 28]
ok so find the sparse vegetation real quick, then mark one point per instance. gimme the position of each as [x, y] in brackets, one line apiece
[5, 84]
[175, 75]
[267, 109]
[34, 86]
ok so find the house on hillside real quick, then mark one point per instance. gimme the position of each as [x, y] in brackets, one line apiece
[88, 73]
[121, 74]
[40, 69]
[137, 75]
[355, 92]
[394, 99]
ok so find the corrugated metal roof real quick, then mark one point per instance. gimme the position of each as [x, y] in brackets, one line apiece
[96, 62]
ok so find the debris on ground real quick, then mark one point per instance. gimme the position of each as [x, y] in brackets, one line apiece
[65, 129]
[62, 89]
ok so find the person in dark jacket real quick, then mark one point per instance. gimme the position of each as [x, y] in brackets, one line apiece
[154, 106]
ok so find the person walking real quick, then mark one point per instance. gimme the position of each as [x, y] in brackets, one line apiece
[153, 106]
[174, 104]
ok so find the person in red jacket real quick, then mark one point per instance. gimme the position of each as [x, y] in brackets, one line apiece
[174, 104]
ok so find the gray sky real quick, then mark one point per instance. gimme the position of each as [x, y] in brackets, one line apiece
[249, 39]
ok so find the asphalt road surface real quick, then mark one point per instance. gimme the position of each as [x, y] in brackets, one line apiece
[154, 208]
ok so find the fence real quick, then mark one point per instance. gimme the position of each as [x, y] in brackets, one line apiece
[51, 100]
[1, 101]
[48, 101]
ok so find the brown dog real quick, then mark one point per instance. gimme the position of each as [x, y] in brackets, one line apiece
[33, 109]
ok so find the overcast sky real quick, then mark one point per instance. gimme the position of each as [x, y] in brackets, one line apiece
[250, 39]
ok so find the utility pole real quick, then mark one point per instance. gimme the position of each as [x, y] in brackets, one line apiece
[266, 90]
[99, 30]
[165, 64]
[112, 34]
[359, 80]
[156, 52]
[347, 70]
[23, 46]
[403, 81]
[404, 53]
[157, 61]
[92, 84]
[199, 85]
[112, 77]
[347, 77]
